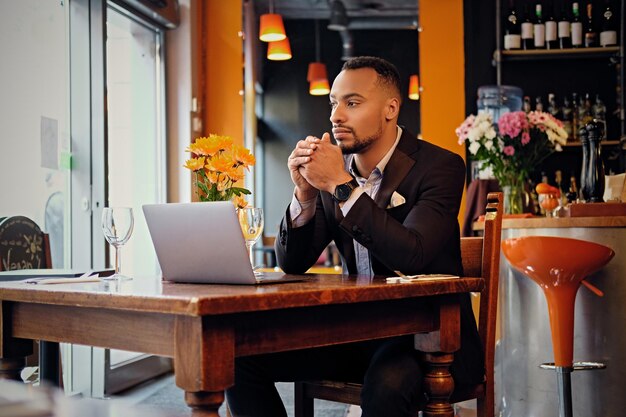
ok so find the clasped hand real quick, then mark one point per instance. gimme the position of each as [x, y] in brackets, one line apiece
[316, 164]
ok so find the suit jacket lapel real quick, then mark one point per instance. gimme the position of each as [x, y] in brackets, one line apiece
[397, 168]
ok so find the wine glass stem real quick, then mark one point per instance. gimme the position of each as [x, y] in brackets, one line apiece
[249, 247]
[118, 260]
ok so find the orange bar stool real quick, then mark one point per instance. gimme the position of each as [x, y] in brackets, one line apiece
[559, 265]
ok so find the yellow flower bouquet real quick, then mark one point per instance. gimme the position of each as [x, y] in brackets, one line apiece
[217, 165]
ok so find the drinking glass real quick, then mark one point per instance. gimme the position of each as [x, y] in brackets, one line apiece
[251, 222]
[117, 226]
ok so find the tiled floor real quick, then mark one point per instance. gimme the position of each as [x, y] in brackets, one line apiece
[163, 394]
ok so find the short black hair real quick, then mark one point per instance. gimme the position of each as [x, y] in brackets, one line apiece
[387, 72]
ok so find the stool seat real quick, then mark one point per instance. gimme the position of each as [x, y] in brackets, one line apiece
[557, 265]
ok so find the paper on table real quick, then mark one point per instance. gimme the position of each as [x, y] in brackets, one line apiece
[67, 280]
[418, 278]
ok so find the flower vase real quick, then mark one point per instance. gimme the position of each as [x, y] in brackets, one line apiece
[514, 197]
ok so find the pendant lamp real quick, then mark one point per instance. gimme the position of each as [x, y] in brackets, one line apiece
[279, 50]
[317, 71]
[414, 87]
[319, 87]
[271, 28]
[317, 75]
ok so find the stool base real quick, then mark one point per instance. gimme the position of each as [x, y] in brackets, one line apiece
[564, 386]
[578, 366]
[564, 382]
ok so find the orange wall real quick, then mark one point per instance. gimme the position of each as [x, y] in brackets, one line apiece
[223, 104]
[442, 73]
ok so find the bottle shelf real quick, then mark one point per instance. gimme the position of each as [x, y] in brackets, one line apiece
[578, 53]
[603, 143]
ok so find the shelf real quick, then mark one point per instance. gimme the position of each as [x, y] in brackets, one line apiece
[603, 143]
[577, 53]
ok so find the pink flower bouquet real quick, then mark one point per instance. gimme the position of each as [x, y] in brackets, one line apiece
[515, 145]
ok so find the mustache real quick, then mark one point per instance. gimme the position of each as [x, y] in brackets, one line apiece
[351, 130]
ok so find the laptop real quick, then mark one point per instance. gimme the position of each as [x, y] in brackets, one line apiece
[203, 243]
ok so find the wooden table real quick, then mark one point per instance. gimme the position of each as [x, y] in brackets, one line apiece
[204, 327]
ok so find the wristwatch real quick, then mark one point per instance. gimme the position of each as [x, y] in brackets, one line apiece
[343, 191]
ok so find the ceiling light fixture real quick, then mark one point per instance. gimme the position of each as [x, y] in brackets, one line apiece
[319, 87]
[338, 16]
[414, 87]
[317, 75]
[279, 50]
[271, 25]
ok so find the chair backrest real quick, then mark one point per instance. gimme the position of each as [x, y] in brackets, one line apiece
[481, 257]
[23, 245]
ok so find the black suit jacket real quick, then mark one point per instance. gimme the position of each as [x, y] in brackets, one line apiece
[420, 236]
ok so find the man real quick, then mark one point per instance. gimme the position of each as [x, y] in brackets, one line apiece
[390, 203]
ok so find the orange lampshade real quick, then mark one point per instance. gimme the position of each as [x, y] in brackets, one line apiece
[414, 87]
[279, 50]
[319, 87]
[272, 28]
[317, 71]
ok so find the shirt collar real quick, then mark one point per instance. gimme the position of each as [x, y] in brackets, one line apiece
[382, 164]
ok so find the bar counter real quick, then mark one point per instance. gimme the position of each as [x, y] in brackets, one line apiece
[558, 222]
[522, 388]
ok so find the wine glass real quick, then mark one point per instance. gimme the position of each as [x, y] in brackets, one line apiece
[117, 226]
[251, 222]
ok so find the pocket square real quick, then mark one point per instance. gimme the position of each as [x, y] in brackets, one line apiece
[396, 200]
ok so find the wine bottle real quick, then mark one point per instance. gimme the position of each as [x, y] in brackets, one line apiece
[558, 180]
[538, 104]
[591, 35]
[567, 119]
[598, 111]
[526, 105]
[553, 109]
[576, 27]
[572, 195]
[565, 38]
[608, 35]
[551, 29]
[575, 120]
[584, 110]
[512, 31]
[539, 28]
[527, 30]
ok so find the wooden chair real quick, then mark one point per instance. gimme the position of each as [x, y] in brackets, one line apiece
[24, 246]
[481, 258]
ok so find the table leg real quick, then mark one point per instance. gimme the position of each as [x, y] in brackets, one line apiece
[204, 362]
[13, 351]
[438, 385]
[204, 404]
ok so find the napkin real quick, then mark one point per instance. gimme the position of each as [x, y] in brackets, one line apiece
[66, 280]
[419, 278]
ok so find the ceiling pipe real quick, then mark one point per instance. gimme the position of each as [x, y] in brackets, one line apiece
[383, 23]
[348, 44]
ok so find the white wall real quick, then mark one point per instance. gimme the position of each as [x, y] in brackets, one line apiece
[34, 83]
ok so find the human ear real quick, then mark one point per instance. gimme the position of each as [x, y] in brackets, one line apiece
[392, 108]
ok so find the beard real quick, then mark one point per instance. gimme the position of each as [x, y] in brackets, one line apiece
[360, 144]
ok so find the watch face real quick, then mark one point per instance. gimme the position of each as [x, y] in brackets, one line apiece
[343, 191]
